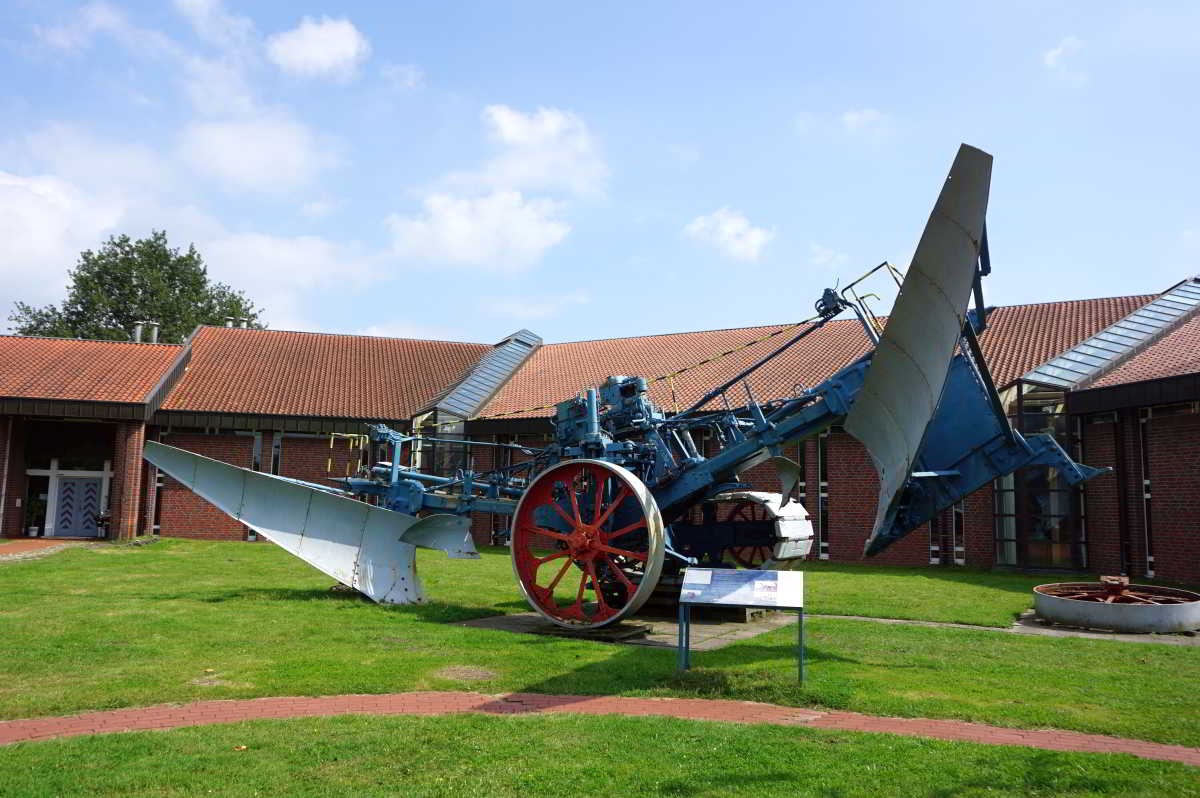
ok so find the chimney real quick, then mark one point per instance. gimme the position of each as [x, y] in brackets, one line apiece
[229, 320]
[245, 322]
[137, 331]
[153, 325]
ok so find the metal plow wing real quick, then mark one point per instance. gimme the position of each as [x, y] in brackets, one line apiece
[362, 546]
[908, 370]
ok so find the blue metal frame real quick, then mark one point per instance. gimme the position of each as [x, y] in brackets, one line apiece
[968, 443]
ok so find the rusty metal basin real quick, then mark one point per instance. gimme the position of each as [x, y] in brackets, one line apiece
[1119, 606]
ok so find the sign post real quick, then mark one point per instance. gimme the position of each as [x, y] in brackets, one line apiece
[773, 590]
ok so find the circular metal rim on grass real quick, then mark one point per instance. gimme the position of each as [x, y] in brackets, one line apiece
[1138, 609]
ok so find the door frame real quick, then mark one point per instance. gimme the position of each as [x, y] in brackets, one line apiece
[52, 489]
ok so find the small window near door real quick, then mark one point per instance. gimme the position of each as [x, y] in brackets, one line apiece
[36, 500]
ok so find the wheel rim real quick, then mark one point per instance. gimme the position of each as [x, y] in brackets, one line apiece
[587, 525]
[749, 556]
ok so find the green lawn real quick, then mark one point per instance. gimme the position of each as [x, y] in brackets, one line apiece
[467, 755]
[181, 620]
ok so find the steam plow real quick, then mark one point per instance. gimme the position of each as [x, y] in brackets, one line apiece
[627, 495]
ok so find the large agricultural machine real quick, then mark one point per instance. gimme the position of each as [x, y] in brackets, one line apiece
[627, 495]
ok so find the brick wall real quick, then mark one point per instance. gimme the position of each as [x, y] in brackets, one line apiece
[853, 495]
[186, 515]
[1173, 445]
[486, 458]
[1101, 505]
[979, 520]
[125, 490]
[307, 458]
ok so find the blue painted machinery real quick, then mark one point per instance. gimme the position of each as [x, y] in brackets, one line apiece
[627, 495]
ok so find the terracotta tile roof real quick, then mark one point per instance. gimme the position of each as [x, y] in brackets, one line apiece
[91, 371]
[1176, 353]
[1018, 338]
[270, 372]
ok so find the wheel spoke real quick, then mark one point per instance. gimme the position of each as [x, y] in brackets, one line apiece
[623, 552]
[583, 577]
[601, 477]
[621, 496]
[591, 568]
[626, 529]
[574, 503]
[572, 521]
[540, 561]
[550, 533]
[566, 566]
[630, 588]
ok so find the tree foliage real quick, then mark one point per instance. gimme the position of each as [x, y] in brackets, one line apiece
[128, 281]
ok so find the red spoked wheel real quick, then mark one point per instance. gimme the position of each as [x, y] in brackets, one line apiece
[587, 543]
[749, 556]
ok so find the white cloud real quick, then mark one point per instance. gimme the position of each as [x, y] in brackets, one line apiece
[404, 77]
[731, 233]
[325, 48]
[266, 154]
[88, 20]
[546, 150]
[825, 256]
[278, 272]
[216, 25]
[317, 208]
[533, 307]
[1059, 59]
[501, 231]
[864, 120]
[217, 86]
[45, 222]
[75, 155]
[404, 329]
[504, 216]
[1053, 58]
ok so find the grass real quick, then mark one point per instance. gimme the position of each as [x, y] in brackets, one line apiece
[466, 755]
[113, 626]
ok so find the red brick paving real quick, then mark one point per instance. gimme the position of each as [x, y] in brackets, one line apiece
[26, 545]
[170, 716]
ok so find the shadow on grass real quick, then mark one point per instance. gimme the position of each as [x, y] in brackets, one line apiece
[275, 594]
[432, 611]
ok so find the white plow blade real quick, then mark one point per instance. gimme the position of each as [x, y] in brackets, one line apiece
[908, 370]
[364, 547]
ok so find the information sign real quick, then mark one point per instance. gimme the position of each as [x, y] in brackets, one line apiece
[743, 588]
[730, 587]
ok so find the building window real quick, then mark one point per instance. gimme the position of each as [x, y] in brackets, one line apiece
[801, 490]
[1006, 521]
[959, 533]
[823, 496]
[1037, 516]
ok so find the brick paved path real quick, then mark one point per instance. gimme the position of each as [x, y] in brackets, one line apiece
[26, 548]
[170, 716]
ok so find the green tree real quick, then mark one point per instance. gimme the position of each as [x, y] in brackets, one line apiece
[128, 281]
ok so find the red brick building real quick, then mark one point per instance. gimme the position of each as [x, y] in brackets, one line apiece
[73, 415]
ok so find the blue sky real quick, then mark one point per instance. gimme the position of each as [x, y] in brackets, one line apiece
[461, 170]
